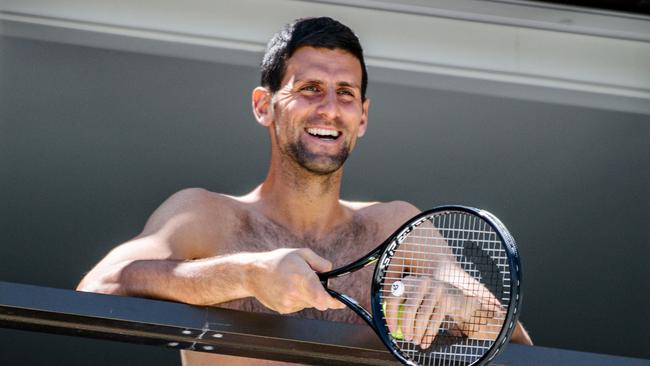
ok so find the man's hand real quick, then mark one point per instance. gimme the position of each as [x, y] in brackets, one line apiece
[418, 313]
[285, 280]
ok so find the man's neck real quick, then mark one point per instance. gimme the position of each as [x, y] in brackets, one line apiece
[303, 202]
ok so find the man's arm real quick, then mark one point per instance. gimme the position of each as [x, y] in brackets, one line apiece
[520, 335]
[159, 262]
[174, 259]
[187, 281]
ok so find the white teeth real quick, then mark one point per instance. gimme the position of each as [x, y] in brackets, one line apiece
[322, 132]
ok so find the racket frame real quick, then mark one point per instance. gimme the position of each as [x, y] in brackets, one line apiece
[382, 254]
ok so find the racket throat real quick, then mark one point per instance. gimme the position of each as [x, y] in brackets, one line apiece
[360, 263]
[354, 305]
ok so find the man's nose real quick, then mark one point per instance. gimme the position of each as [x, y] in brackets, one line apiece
[329, 107]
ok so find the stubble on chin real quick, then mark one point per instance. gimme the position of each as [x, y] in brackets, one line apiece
[317, 164]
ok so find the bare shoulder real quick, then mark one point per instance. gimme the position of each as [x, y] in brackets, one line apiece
[192, 219]
[401, 209]
[388, 216]
[194, 204]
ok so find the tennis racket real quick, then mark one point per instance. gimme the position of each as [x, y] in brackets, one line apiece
[446, 288]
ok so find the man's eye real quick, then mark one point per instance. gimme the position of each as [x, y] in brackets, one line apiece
[346, 92]
[310, 88]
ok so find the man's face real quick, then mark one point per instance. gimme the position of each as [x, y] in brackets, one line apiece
[318, 113]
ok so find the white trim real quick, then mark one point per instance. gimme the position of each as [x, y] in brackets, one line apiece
[405, 43]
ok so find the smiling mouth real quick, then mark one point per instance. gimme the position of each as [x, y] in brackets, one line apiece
[323, 134]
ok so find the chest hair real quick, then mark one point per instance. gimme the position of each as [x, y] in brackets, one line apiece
[345, 243]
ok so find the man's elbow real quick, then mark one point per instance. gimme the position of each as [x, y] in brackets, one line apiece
[83, 285]
[101, 283]
[520, 335]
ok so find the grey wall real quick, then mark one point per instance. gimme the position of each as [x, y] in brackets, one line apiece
[91, 141]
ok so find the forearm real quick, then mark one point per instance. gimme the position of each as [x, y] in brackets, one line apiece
[201, 282]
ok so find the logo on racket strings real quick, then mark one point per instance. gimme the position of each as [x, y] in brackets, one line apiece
[397, 288]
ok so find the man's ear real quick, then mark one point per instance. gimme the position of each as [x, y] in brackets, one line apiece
[364, 118]
[262, 108]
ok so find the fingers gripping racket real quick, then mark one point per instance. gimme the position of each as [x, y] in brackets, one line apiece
[446, 288]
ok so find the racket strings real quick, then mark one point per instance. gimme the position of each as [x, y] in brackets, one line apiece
[461, 259]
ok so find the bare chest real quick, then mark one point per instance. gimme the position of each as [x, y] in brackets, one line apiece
[343, 245]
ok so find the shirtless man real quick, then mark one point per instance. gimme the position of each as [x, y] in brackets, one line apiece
[261, 251]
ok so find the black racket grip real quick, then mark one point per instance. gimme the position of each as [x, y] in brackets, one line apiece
[323, 277]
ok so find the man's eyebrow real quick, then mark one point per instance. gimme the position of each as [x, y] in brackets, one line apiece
[309, 81]
[348, 84]
[317, 81]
